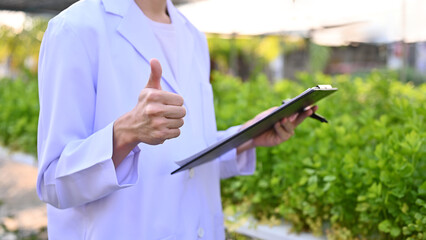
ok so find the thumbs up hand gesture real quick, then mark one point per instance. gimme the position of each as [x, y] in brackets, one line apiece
[157, 116]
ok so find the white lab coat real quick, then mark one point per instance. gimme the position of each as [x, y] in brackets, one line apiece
[94, 61]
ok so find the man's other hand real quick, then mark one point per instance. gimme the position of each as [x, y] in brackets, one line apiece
[281, 131]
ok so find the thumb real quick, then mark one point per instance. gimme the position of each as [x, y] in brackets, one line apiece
[155, 77]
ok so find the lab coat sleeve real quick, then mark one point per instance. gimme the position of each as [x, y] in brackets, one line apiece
[232, 164]
[75, 165]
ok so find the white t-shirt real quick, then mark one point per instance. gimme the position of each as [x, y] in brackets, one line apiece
[166, 35]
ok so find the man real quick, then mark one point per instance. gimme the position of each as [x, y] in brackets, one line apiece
[113, 121]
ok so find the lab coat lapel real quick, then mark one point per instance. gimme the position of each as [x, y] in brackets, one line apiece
[185, 44]
[136, 29]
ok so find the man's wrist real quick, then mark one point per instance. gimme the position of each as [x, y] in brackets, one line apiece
[123, 141]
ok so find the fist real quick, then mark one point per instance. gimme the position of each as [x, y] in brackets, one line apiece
[158, 115]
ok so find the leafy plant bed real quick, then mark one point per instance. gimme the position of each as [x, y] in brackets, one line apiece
[19, 114]
[360, 176]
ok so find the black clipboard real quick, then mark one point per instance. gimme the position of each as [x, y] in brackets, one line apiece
[289, 107]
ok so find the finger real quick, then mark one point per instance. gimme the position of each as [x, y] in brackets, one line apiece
[282, 133]
[174, 112]
[160, 96]
[293, 117]
[174, 123]
[284, 120]
[302, 116]
[314, 109]
[155, 77]
[288, 127]
[172, 99]
[172, 133]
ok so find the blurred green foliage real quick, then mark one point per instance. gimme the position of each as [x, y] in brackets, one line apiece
[19, 109]
[19, 96]
[248, 56]
[361, 176]
[19, 49]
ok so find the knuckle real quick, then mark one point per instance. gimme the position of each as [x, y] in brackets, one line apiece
[144, 92]
[156, 124]
[141, 96]
[152, 95]
[158, 136]
[151, 110]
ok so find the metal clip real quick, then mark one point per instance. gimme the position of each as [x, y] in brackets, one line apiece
[323, 87]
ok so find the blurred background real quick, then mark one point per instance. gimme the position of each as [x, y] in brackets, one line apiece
[360, 177]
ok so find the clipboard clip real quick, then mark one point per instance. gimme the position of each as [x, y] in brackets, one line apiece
[324, 87]
[314, 115]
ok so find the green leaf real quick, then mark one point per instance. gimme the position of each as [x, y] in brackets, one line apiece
[419, 202]
[399, 191]
[326, 187]
[385, 226]
[313, 179]
[422, 189]
[263, 183]
[362, 207]
[329, 178]
[361, 198]
[406, 170]
[309, 171]
[404, 208]
[379, 151]
[417, 216]
[303, 180]
[395, 231]
[275, 181]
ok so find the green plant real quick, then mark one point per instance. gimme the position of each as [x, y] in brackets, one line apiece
[361, 176]
[19, 109]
